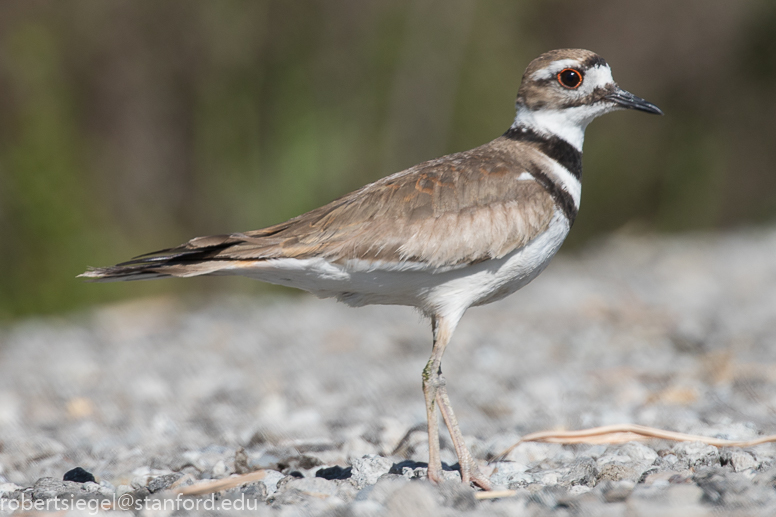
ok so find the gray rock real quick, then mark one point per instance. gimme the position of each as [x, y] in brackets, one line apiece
[416, 498]
[510, 475]
[131, 499]
[549, 496]
[256, 490]
[97, 488]
[414, 473]
[450, 475]
[232, 366]
[271, 479]
[664, 478]
[696, 455]
[367, 470]
[49, 488]
[123, 489]
[163, 482]
[583, 471]
[219, 470]
[145, 475]
[297, 490]
[766, 478]
[739, 459]
[457, 495]
[616, 491]
[294, 463]
[631, 461]
[346, 491]
[267, 460]
[669, 461]
[533, 452]
[639, 452]
[548, 477]
[382, 491]
[517, 505]
[683, 500]
[725, 488]
[684, 494]
[7, 488]
[365, 508]
[241, 462]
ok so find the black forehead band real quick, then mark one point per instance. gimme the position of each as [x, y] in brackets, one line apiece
[592, 62]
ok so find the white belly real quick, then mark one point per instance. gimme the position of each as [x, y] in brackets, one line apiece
[433, 291]
[495, 279]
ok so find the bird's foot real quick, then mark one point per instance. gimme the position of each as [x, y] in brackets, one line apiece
[435, 475]
[470, 473]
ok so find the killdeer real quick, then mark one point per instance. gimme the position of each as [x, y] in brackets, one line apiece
[463, 230]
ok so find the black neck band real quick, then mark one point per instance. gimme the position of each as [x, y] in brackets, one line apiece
[553, 146]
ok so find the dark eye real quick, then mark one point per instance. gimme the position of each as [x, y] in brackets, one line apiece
[570, 78]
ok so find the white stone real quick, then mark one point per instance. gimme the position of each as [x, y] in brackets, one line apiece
[367, 470]
[271, 481]
[7, 488]
[742, 461]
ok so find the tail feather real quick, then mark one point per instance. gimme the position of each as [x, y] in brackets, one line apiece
[115, 274]
[207, 255]
[179, 262]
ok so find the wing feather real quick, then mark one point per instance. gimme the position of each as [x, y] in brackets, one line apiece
[461, 208]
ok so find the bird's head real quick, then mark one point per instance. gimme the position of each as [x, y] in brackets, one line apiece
[564, 90]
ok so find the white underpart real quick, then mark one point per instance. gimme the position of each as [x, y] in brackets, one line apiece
[568, 123]
[495, 279]
[444, 291]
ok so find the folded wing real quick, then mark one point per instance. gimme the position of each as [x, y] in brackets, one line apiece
[449, 212]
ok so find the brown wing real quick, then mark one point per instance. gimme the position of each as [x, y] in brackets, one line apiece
[461, 208]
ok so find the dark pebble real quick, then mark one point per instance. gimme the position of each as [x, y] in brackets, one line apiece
[78, 475]
[335, 472]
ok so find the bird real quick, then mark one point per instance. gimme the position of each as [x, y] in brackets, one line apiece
[463, 230]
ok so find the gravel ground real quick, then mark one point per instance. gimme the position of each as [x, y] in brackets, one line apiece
[675, 333]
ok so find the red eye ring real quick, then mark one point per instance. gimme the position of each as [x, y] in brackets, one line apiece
[570, 78]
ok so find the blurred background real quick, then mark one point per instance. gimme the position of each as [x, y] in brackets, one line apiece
[129, 126]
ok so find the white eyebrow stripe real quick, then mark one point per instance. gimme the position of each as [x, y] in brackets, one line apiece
[553, 68]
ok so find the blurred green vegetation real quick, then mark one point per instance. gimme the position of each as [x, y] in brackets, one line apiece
[128, 126]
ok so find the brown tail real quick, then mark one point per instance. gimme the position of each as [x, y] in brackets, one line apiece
[174, 262]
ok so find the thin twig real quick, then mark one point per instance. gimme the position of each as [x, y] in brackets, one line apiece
[628, 432]
[495, 494]
[217, 485]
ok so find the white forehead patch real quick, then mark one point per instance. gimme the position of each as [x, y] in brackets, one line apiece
[600, 75]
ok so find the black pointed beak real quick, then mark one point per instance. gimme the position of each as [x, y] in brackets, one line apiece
[627, 100]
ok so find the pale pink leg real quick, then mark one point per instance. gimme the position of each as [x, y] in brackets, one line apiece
[469, 469]
[430, 389]
[435, 392]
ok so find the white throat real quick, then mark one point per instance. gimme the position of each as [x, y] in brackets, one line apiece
[568, 124]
